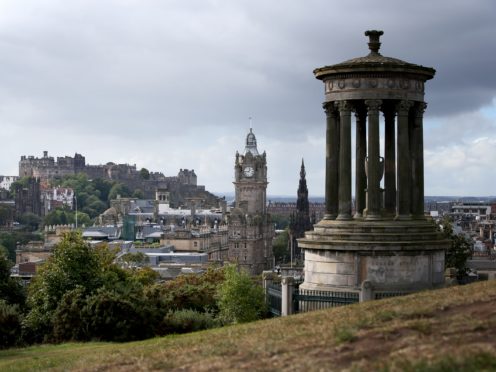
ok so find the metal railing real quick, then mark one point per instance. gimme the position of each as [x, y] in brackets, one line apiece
[274, 298]
[308, 300]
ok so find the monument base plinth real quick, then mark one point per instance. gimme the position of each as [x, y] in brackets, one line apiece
[392, 256]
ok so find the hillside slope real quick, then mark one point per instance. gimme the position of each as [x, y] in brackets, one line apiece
[448, 329]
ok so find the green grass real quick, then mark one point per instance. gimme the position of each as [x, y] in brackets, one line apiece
[443, 330]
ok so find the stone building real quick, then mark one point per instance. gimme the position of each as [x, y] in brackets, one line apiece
[28, 198]
[387, 246]
[286, 209]
[250, 228]
[178, 188]
[46, 167]
[57, 197]
[7, 181]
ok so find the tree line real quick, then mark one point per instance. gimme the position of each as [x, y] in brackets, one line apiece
[82, 293]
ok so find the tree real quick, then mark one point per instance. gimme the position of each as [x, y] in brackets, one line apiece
[460, 250]
[20, 183]
[280, 246]
[30, 220]
[5, 215]
[103, 186]
[145, 174]
[134, 259]
[240, 299]
[280, 221]
[11, 290]
[80, 293]
[73, 264]
[63, 216]
[10, 324]
[10, 239]
[138, 194]
[118, 189]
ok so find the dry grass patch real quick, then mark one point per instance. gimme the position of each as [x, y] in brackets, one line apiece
[432, 330]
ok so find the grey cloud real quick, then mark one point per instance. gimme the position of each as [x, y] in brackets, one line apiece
[185, 72]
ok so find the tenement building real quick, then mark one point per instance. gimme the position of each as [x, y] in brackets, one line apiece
[250, 228]
[387, 245]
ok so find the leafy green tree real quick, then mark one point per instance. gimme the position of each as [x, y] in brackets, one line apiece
[80, 293]
[194, 292]
[103, 187]
[30, 220]
[10, 239]
[240, 299]
[281, 221]
[138, 193]
[145, 174]
[134, 259]
[280, 246]
[11, 290]
[5, 215]
[21, 182]
[63, 216]
[460, 250]
[118, 189]
[106, 315]
[10, 324]
[73, 264]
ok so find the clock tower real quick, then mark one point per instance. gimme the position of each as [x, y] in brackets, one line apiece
[250, 227]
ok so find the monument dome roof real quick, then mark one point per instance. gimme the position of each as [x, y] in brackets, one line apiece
[374, 62]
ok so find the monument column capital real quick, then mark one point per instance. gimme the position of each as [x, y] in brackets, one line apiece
[420, 108]
[373, 104]
[344, 107]
[403, 107]
[330, 109]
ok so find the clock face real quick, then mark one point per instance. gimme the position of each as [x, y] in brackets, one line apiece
[249, 171]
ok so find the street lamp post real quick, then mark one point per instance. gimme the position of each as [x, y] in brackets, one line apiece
[75, 199]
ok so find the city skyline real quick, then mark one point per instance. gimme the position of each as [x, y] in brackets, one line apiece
[170, 86]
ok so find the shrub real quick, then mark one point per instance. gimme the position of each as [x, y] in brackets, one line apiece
[10, 289]
[183, 321]
[68, 322]
[195, 292]
[10, 325]
[240, 299]
[112, 316]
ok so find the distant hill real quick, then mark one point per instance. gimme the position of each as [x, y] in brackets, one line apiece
[320, 199]
[450, 329]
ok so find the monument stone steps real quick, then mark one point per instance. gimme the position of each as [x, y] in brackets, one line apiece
[374, 238]
[383, 246]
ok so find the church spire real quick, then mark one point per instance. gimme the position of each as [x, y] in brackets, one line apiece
[302, 205]
[300, 218]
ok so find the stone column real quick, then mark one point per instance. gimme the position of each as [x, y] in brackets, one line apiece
[403, 195]
[361, 153]
[332, 161]
[366, 291]
[287, 286]
[389, 162]
[344, 160]
[374, 166]
[417, 154]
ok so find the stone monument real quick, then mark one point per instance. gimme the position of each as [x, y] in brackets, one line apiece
[385, 242]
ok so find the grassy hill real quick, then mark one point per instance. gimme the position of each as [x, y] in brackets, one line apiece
[443, 330]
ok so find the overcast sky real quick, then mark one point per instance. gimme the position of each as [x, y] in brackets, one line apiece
[171, 84]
